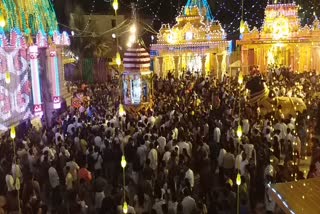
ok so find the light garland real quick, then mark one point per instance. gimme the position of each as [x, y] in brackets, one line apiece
[16, 14]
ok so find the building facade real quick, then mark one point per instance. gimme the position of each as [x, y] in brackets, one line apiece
[282, 41]
[196, 44]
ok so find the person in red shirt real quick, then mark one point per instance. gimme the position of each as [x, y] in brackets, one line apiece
[85, 174]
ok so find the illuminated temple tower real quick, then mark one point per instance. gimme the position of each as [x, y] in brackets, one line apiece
[31, 65]
[281, 41]
[196, 43]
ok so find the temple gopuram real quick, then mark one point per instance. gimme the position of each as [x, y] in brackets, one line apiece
[195, 44]
[282, 41]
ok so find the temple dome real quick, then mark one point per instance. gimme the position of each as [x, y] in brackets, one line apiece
[136, 59]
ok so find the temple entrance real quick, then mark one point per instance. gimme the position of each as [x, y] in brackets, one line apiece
[276, 55]
[194, 63]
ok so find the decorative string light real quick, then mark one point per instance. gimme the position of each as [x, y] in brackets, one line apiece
[115, 6]
[238, 180]
[8, 77]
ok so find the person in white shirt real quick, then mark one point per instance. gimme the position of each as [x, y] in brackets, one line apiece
[142, 153]
[175, 134]
[222, 153]
[59, 137]
[216, 135]
[74, 167]
[153, 157]
[98, 141]
[190, 177]
[53, 177]
[238, 160]
[184, 145]
[188, 203]
[151, 121]
[245, 126]
[166, 155]
[162, 143]
[55, 186]
[10, 183]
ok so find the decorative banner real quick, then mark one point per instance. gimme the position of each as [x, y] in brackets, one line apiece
[55, 78]
[35, 79]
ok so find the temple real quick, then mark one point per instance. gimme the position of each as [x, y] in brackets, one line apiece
[282, 41]
[196, 44]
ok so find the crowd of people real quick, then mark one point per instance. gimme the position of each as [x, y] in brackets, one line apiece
[183, 155]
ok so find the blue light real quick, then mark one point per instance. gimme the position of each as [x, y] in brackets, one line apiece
[200, 4]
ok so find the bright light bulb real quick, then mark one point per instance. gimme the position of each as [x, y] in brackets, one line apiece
[239, 131]
[115, 5]
[122, 111]
[238, 180]
[242, 26]
[8, 77]
[132, 38]
[72, 33]
[123, 162]
[13, 133]
[114, 36]
[152, 37]
[118, 59]
[125, 207]
[133, 29]
[240, 79]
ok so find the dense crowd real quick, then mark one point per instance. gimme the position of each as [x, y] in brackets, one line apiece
[183, 155]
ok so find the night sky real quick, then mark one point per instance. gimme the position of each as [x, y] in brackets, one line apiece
[228, 12]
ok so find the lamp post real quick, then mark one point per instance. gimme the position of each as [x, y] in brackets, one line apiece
[115, 6]
[239, 135]
[242, 25]
[238, 182]
[17, 181]
[123, 165]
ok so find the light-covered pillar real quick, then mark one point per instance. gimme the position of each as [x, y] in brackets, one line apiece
[219, 65]
[203, 65]
[160, 60]
[213, 64]
[176, 66]
[35, 80]
[54, 76]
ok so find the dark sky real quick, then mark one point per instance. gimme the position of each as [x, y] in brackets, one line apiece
[228, 12]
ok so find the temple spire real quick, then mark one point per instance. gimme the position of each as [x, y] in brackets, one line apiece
[201, 4]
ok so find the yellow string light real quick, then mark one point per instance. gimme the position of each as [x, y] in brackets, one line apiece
[13, 133]
[8, 77]
[123, 162]
[118, 59]
[125, 207]
[2, 21]
[115, 5]
[240, 79]
[239, 131]
[238, 180]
